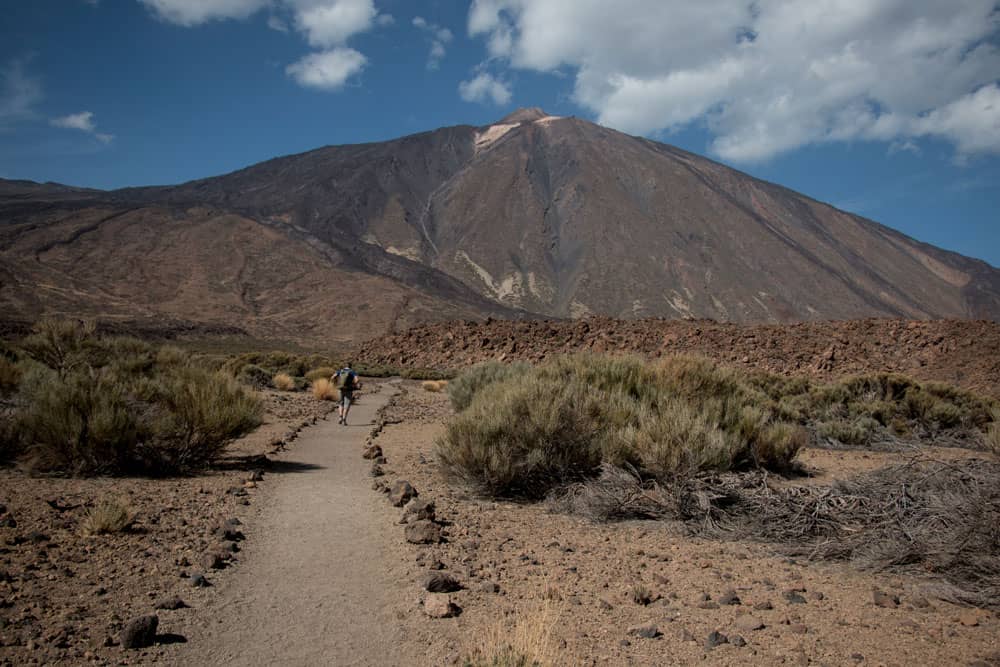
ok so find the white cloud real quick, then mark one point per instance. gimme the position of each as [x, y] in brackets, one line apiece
[484, 88]
[76, 121]
[766, 76]
[83, 121]
[277, 23]
[327, 23]
[327, 70]
[439, 36]
[19, 93]
[196, 12]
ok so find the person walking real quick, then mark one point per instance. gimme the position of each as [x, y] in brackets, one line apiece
[346, 381]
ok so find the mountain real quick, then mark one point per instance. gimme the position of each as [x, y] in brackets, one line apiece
[535, 215]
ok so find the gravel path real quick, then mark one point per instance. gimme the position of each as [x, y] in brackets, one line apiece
[313, 584]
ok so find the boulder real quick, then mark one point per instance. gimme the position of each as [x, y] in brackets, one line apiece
[372, 452]
[417, 510]
[646, 630]
[423, 532]
[439, 605]
[439, 582]
[401, 493]
[748, 623]
[883, 599]
[140, 632]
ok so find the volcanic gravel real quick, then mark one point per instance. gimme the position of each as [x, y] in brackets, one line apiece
[964, 353]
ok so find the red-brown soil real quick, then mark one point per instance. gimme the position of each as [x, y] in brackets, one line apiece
[583, 573]
[964, 353]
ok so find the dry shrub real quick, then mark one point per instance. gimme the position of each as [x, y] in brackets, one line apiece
[616, 494]
[527, 642]
[283, 382]
[325, 390]
[107, 517]
[925, 517]
[434, 386]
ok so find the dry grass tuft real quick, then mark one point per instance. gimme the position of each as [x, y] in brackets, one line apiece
[283, 382]
[640, 594]
[434, 386]
[528, 643]
[107, 517]
[325, 390]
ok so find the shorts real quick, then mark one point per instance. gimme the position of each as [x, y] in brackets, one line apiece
[345, 398]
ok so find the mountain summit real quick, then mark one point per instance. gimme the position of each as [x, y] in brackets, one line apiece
[534, 215]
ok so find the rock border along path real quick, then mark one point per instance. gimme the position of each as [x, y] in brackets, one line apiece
[313, 586]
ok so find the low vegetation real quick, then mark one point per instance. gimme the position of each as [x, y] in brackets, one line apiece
[523, 431]
[107, 517]
[528, 430]
[283, 382]
[434, 386]
[325, 390]
[89, 404]
[525, 643]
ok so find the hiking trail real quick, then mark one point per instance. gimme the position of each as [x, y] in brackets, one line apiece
[313, 583]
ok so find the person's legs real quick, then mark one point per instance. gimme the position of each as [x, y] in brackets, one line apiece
[345, 406]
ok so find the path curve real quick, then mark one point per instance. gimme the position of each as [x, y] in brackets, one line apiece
[313, 584]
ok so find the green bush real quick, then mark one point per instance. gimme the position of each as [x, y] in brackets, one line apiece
[255, 377]
[522, 433]
[466, 385]
[101, 405]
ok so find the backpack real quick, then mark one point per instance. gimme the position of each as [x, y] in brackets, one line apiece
[343, 380]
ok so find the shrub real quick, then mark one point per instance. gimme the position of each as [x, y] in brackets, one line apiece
[321, 373]
[106, 517]
[112, 405]
[283, 382]
[522, 438]
[325, 390]
[78, 424]
[524, 433]
[254, 376]
[206, 411]
[10, 376]
[464, 388]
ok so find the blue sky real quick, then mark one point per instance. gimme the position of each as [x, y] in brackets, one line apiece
[886, 108]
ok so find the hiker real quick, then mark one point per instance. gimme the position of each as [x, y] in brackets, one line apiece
[346, 381]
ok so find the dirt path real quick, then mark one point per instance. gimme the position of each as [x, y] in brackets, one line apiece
[312, 586]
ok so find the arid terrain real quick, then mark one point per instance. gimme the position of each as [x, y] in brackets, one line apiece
[963, 353]
[578, 592]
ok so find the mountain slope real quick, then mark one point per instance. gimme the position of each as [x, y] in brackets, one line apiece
[534, 214]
